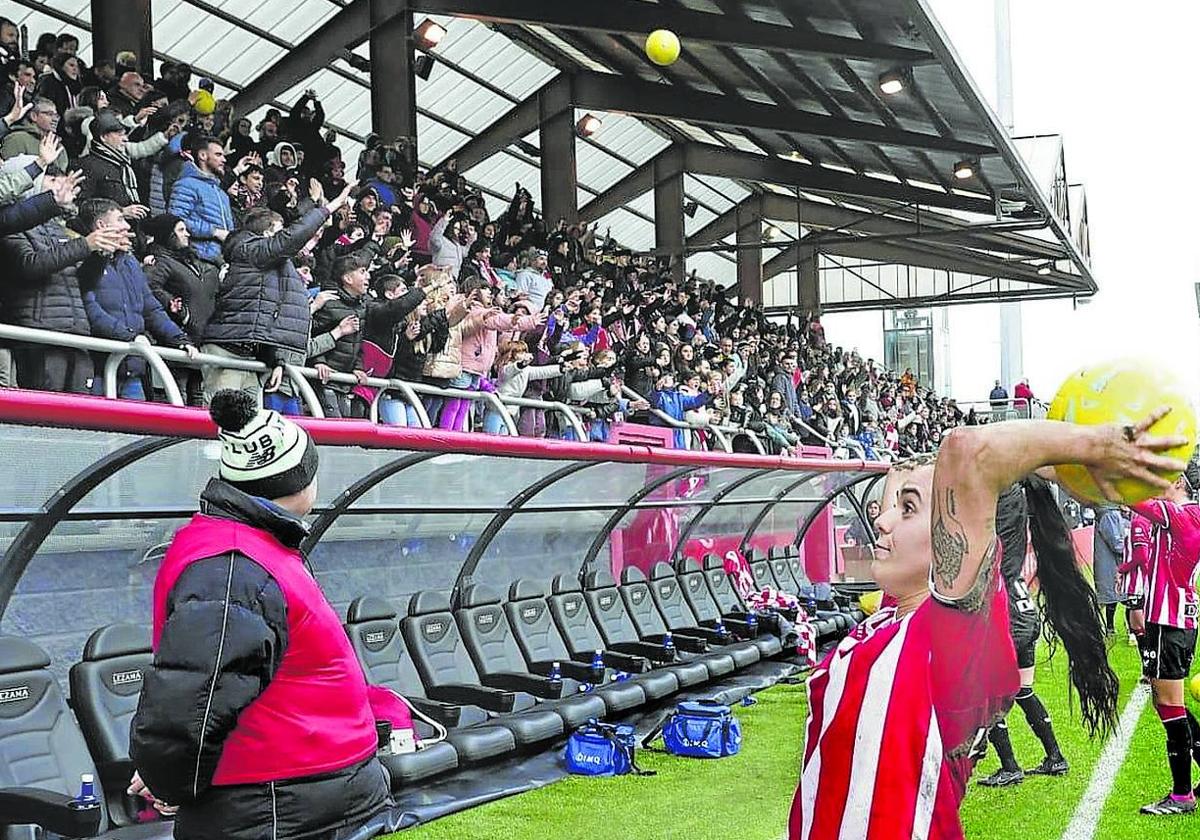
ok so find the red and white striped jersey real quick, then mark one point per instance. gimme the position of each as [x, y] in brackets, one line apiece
[893, 711]
[1136, 564]
[1171, 570]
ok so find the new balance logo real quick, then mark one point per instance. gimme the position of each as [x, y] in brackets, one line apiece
[13, 695]
[120, 678]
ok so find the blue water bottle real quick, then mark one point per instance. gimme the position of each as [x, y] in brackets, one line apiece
[555, 674]
[669, 646]
[86, 800]
[598, 666]
[752, 624]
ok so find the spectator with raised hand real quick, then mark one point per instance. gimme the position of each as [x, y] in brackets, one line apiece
[118, 300]
[262, 310]
[449, 241]
[477, 349]
[199, 199]
[352, 275]
[668, 399]
[41, 289]
[26, 137]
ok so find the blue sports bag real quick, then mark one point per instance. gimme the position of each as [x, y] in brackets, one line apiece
[700, 729]
[602, 749]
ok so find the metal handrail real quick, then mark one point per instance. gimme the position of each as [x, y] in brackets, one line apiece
[157, 356]
[720, 431]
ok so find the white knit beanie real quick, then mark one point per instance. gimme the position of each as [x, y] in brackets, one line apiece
[262, 453]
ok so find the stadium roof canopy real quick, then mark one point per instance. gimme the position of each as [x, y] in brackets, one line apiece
[800, 177]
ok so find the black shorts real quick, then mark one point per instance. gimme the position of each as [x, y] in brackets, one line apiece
[1026, 651]
[1025, 628]
[1167, 652]
[1133, 603]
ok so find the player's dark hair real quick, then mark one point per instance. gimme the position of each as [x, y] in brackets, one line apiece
[1072, 612]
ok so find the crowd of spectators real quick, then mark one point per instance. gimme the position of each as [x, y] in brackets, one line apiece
[143, 209]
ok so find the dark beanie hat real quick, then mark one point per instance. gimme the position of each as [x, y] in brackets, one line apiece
[161, 228]
[262, 453]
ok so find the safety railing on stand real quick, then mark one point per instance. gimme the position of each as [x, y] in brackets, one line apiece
[301, 378]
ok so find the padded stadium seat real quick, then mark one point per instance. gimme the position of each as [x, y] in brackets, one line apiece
[679, 619]
[493, 647]
[542, 645]
[374, 632]
[617, 628]
[783, 572]
[582, 637]
[700, 600]
[105, 688]
[42, 751]
[450, 675]
[639, 601]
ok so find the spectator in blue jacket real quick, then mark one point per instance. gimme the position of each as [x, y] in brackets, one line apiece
[668, 399]
[118, 300]
[198, 199]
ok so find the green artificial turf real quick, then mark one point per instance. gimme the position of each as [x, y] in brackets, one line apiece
[747, 797]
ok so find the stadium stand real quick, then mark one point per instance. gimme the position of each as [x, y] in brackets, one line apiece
[159, 244]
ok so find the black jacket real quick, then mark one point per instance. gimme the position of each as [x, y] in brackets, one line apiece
[263, 300]
[41, 288]
[104, 179]
[408, 360]
[180, 273]
[375, 317]
[254, 623]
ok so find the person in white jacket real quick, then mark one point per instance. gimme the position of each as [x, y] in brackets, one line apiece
[516, 370]
[449, 241]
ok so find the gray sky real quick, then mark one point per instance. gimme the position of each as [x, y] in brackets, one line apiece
[1119, 87]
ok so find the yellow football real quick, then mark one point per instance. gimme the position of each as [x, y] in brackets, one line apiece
[1123, 391]
[662, 47]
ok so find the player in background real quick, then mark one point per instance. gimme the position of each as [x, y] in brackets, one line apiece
[1025, 626]
[896, 707]
[1171, 620]
[1134, 572]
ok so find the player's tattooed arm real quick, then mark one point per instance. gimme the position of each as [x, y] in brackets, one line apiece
[949, 538]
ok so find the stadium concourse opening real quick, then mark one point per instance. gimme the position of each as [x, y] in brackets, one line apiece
[635, 469]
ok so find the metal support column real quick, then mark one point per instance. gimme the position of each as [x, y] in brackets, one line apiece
[808, 280]
[668, 212]
[393, 82]
[119, 25]
[749, 254]
[560, 194]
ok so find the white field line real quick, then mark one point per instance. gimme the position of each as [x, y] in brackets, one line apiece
[1087, 813]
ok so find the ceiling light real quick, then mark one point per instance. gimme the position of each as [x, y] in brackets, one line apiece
[771, 233]
[588, 125]
[891, 82]
[690, 209]
[428, 34]
[1044, 269]
[965, 169]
